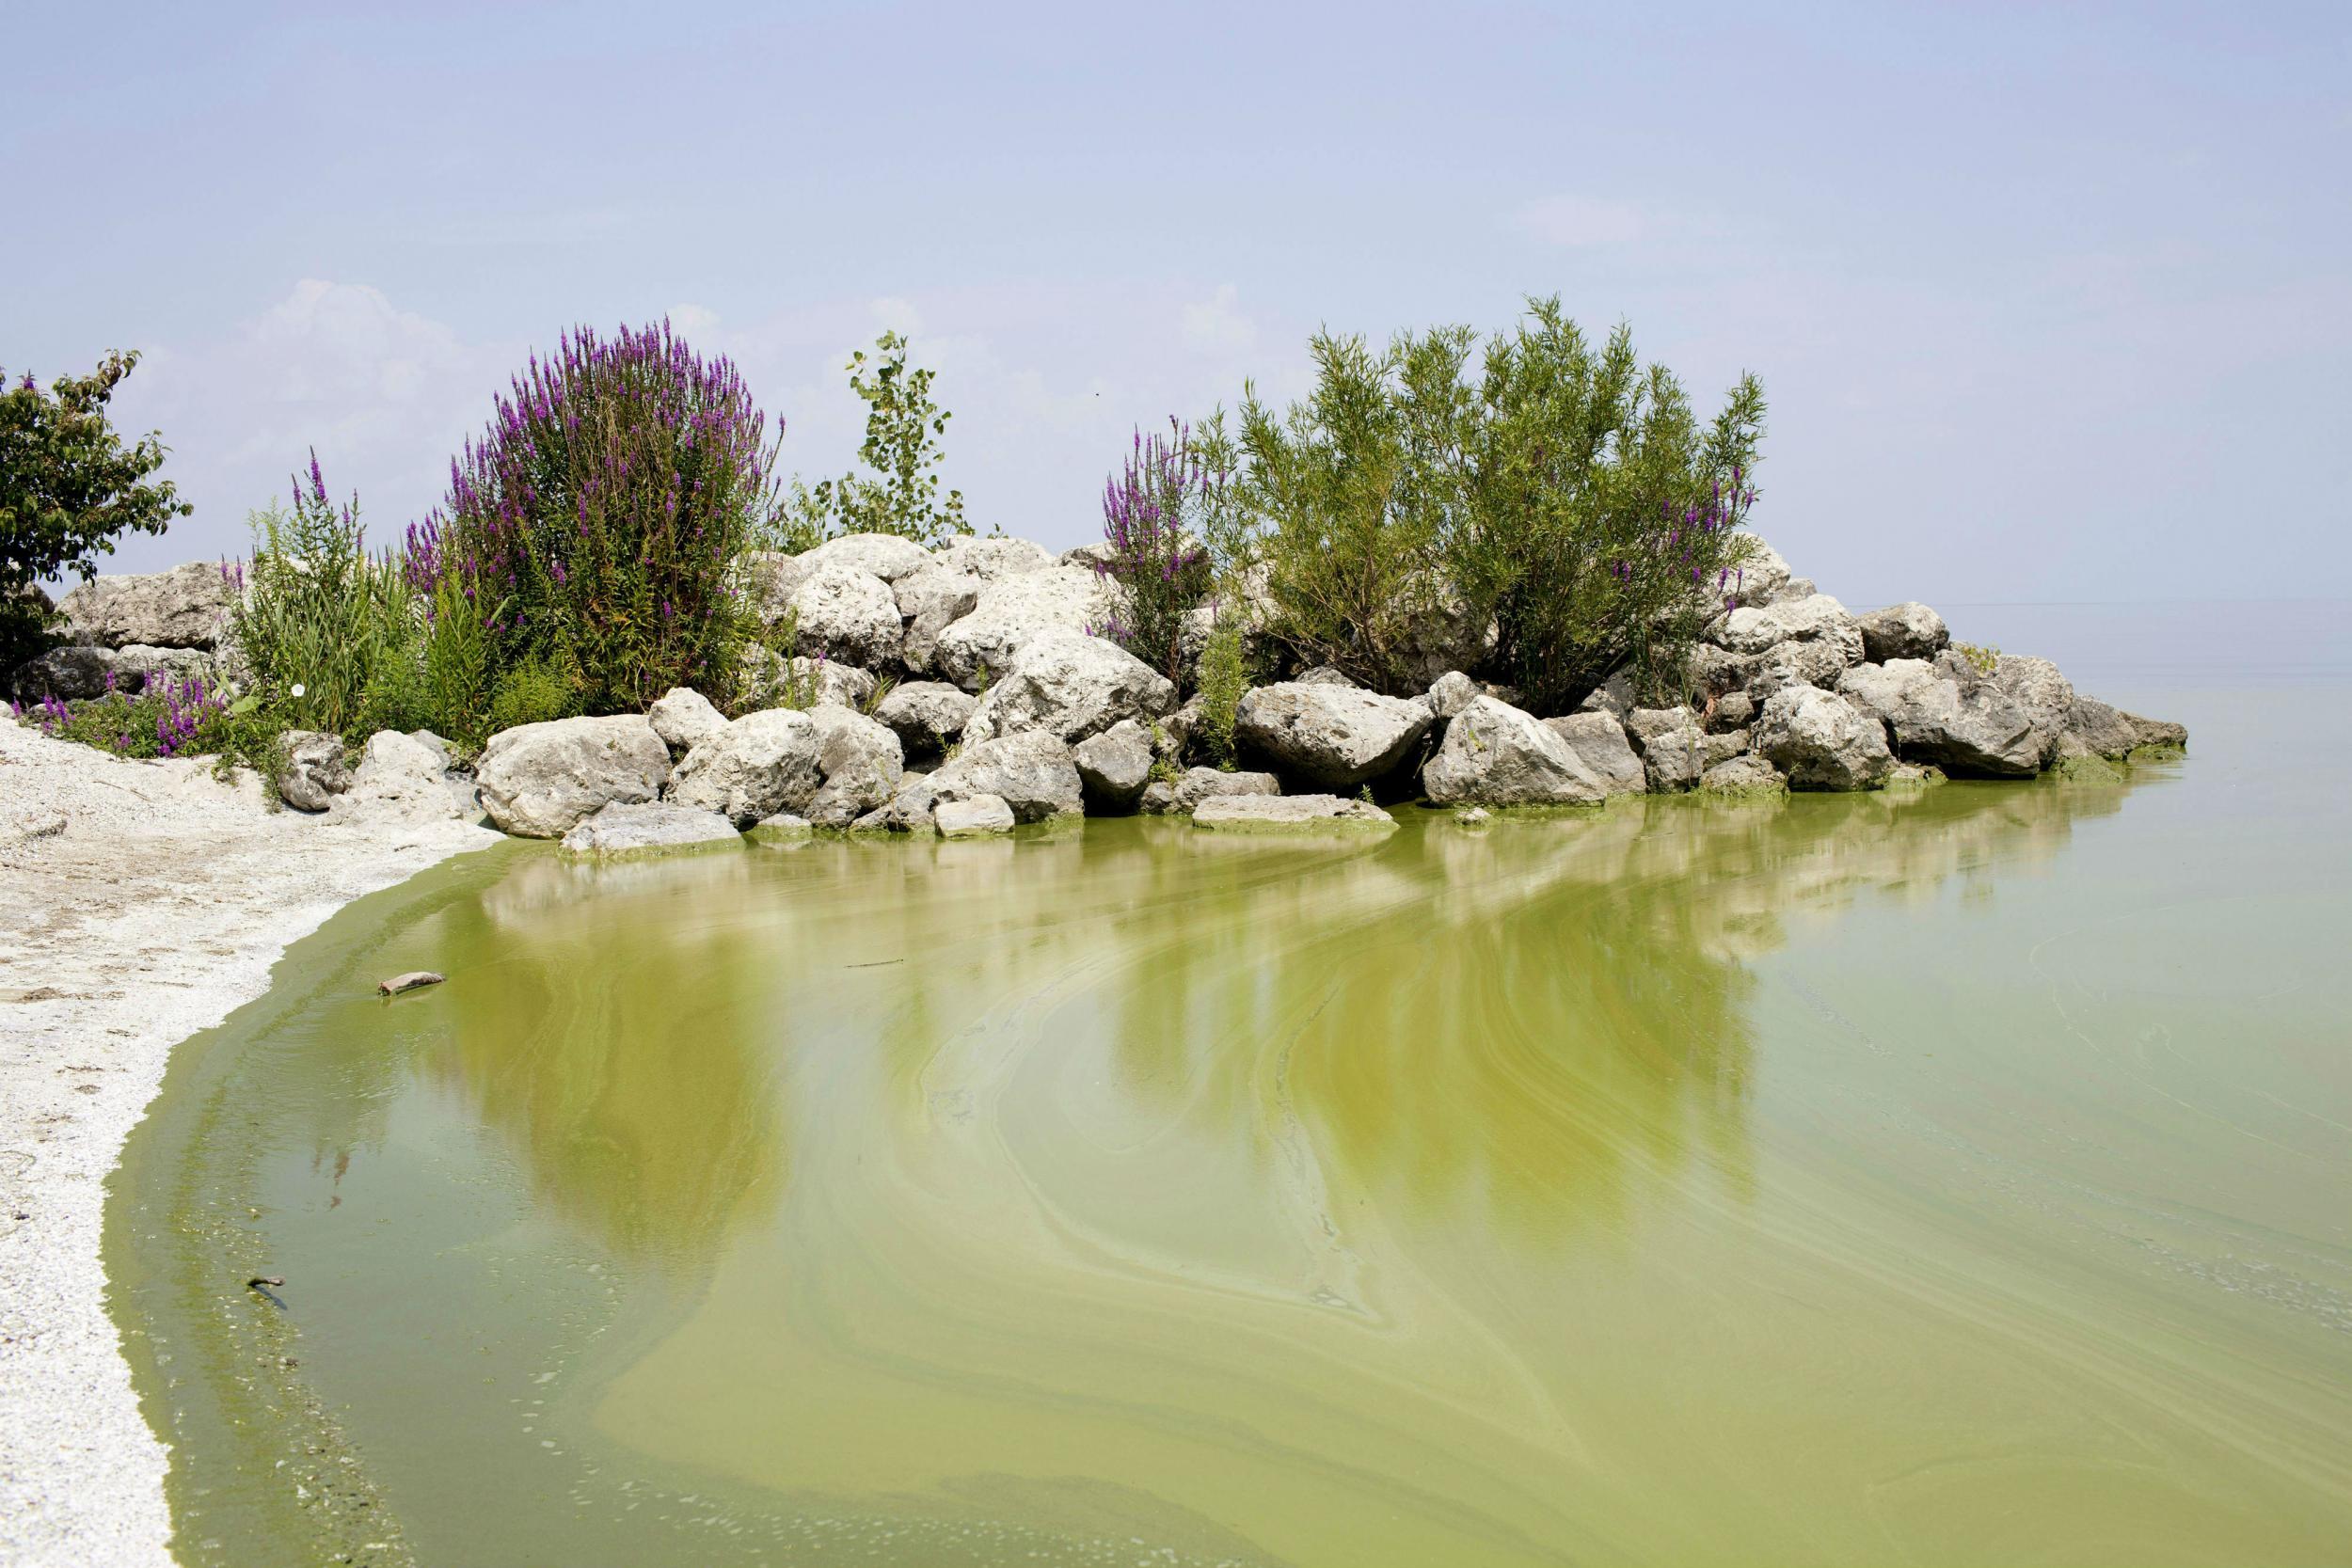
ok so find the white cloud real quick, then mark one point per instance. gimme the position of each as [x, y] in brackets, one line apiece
[1577, 222]
[1217, 324]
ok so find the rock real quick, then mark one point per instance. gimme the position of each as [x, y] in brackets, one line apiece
[974, 818]
[541, 781]
[1909, 630]
[1474, 816]
[1966, 727]
[1495, 755]
[1733, 710]
[1720, 747]
[861, 763]
[1914, 775]
[187, 606]
[1797, 663]
[883, 555]
[995, 560]
[757, 766]
[1280, 814]
[682, 717]
[1097, 554]
[1032, 771]
[1613, 696]
[78, 670]
[1790, 592]
[437, 744]
[648, 827]
[1450, 693]
[2094, 729]
[782, 827]
[1210, 784]
[1159, 798]
[401, 779]
[850, 616]
[1116, 764]
[2035, 686]
[927, 716]
[1823, 741]
[825, 680]
[1599, 743]
[1012, 611]
[1173, 733]
[1673, 747]
[1329, 734]
[929, 600]
[1070, 686]
[2159, 734]
[1816, 619]
[312, 770]
[1742, 776]
[416, 979]
[1758, 578]
[1323, 674]
[768, 578]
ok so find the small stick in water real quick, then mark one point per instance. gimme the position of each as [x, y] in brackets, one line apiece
[409, 981]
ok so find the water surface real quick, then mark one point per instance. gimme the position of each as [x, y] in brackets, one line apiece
[1956, 1176]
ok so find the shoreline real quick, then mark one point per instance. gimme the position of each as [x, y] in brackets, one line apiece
[142, 902]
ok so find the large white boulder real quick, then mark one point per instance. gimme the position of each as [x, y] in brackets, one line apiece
[1816, 619]
[761, 764]
[929, 601]
[885, 554]
[1673, 747]
[1070, 686]
[648, 827]
[1822, 741]
[400, 778]
[682, 716]
[1335, 735]
[1907, 630]
[540, 780]
[1495, 755]
[860, 761]
[1115, 764]
[1947, 715]
[311, 769]
[187, 606]
[848, 615]
[1599, 743]
[994, 560]
[1012, 611]
[1291, 814]
[1032, 771]
[927, 716]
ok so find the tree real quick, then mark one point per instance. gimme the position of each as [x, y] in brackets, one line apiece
[902, 450]
[68, 490]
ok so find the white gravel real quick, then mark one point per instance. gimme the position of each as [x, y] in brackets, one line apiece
[140, 902]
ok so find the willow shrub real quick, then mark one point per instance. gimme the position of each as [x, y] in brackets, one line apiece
[1568, 495]
[594, 528]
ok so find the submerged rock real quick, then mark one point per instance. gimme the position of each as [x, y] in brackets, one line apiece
[647, 827]
[1199, 785]
[1495, 755]
[1275, 814]
[541, 781]
[974, 818]
[416, 979]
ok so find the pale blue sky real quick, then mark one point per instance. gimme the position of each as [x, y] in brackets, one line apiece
[2052, 304]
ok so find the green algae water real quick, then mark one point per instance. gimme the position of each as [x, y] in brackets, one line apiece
[1961, 1176]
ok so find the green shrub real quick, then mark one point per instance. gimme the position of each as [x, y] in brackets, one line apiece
[1224, 681]
[899, 492]
[68, 489]
[532, 693]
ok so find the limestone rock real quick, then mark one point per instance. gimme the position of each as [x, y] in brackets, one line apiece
[1324, 674]
[78, 670]
[414, 979]
[768, 578]
[827, 680]
[1599, 743]
[1733, 710]
[1909, 630]
[541, 781]
[1210, 784]
[1070, 686]
[1722, 746]
[1673, 747]
[884, 555]
[761, 764]
[1290, 814]
[1818, 620]
[2036, 685]
[1450, 693]
[1116, 764]
[927, 715]
[995, 560]
[312, 770]
[1744, 776]
[400, 779]
[1031, 770]
[2094, 729]
[782, 827]
[1009, 612]
[1823, 741]
[850, 616]
[1967, 727]
[930, 600]
[976, 818]
[1495, 755]
[682, 716]
[1613, 696]
[1758, 578]
[1159, 798]
[187, 606]
[1329, 734]
[860, 761]
[648, 827]
[2159, 732]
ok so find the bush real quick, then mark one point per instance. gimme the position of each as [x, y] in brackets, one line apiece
[1158, 564]
[329, 634]
[68, 490]
[901, 452]
[594, 529]
[1224, 681]
[169, 719]
[1603, 524]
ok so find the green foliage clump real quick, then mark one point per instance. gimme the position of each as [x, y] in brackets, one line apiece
[1981, 658]
[1224, 681]
[69, 487]
[899, 493]
[169, 718]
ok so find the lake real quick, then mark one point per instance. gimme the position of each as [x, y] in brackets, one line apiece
[1954, 1176]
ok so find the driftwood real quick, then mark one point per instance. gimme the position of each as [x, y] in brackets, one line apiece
[409, 981]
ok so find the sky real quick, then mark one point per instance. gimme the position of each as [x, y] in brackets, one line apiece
[2052, 304]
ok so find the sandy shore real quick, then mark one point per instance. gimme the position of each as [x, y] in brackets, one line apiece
[140, 902]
